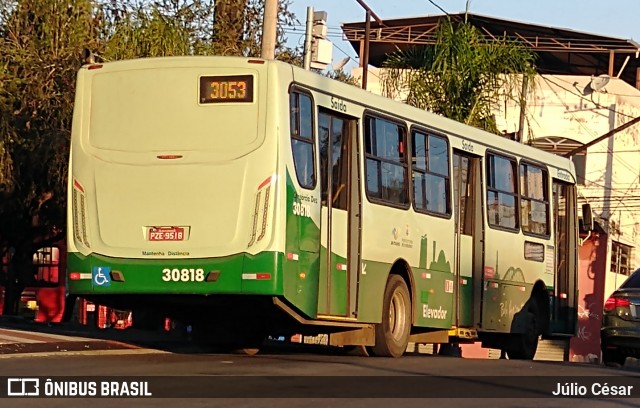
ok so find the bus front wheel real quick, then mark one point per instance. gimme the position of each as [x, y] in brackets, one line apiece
[392, 333]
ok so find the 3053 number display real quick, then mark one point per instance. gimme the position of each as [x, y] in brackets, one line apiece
[218, 89]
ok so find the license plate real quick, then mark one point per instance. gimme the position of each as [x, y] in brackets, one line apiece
[166, 234]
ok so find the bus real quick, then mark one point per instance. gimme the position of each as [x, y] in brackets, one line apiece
[248, 198]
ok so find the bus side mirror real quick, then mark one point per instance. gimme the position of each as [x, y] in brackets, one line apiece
[587, 218]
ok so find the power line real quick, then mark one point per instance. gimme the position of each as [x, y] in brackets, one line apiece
[627, 165]
[439, 8]
[607, 91]
[573, 92]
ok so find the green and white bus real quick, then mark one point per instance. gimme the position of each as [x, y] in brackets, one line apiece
[251, 198]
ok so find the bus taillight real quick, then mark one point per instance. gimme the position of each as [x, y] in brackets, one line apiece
[256, 276]
[74, 276]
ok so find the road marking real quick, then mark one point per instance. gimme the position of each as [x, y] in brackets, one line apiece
[8, 336]
[83, 353]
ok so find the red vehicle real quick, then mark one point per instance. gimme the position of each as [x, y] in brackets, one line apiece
[45, 301]
[51, 296]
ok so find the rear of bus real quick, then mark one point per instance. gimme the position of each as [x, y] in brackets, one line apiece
[172, 182]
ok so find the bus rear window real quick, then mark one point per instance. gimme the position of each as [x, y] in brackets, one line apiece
[159, 110]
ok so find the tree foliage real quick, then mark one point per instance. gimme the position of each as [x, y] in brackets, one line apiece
[39, 55]
[41, 44]
[462, 76]
[342, 76]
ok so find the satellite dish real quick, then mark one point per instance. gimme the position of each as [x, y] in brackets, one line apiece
[341, 64]
[599, 82]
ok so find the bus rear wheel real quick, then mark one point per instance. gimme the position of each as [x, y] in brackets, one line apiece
[392, 333]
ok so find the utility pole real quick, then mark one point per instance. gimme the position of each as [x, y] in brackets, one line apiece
[308, 38]
[364, 57]
[317, 49]
[523, 106]
[269, 27]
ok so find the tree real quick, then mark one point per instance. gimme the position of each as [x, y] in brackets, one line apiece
[342, 76]
[229, 23]
[41, 44]
[253, 31]
[462, 76]
[189, 27]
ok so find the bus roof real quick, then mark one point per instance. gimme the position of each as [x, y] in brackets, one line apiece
[428, 119]
[360, 97]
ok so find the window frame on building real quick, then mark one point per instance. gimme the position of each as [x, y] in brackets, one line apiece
[621, 257]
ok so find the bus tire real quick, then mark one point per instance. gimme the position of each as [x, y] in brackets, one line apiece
[392, 333]
[523, 346]
[613, 358]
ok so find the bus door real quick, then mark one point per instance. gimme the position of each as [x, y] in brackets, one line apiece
[340, 215]
[563, 311]
[467, 211]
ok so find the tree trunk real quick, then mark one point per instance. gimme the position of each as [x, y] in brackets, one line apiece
[228, 26]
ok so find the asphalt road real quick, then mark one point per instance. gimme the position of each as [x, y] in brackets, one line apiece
[177, 374]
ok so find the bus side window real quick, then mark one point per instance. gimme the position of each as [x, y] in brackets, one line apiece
[534, 199]
[301, 127]
[502, 191]
[385, 162]
[430, 172]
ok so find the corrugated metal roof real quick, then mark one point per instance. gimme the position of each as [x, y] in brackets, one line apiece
[558, 50]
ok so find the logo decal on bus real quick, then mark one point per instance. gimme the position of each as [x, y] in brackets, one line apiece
[100, 276]
[439, 313]
[401, 241]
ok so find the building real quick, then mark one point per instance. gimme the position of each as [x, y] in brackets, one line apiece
[588, 85]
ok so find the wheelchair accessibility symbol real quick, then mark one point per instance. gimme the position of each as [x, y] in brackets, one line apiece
[100, 276]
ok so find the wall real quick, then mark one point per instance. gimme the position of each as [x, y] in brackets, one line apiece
[585, 346]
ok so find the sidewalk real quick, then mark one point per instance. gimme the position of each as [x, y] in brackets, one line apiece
[19, 335]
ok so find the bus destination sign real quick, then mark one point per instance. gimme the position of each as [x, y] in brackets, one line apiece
[223, 89]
